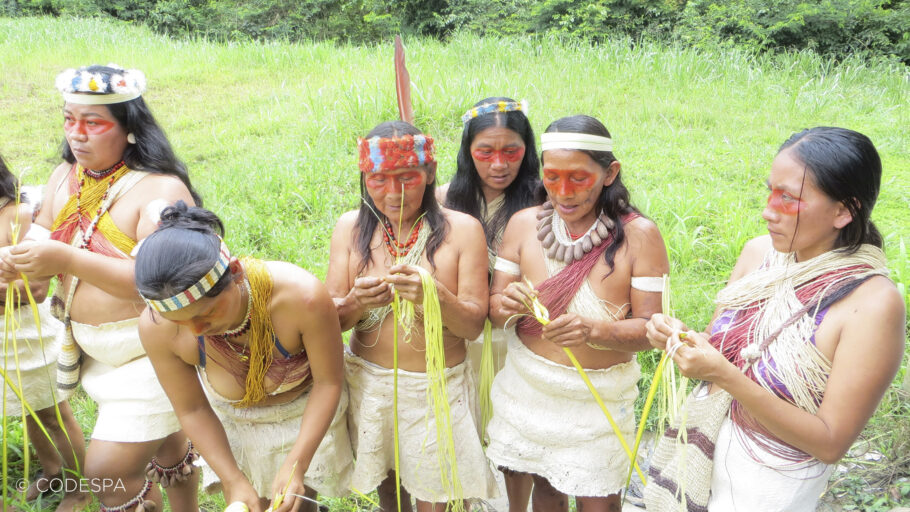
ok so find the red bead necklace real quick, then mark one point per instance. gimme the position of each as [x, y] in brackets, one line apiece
[396, 248]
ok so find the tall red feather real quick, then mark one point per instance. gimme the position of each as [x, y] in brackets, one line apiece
[403, 84]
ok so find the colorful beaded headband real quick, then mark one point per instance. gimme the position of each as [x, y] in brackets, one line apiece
[379, 154]
[198, 290]
[498, 106]
[85, 87]
[568, 140]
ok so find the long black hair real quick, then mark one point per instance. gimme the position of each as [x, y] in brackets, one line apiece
[8, 182]
[614, 199]
[846, 167]
[366, 218]
[465, 192]
[152, 151]
[180, 252]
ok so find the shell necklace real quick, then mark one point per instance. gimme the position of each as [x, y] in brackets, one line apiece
[557, 242]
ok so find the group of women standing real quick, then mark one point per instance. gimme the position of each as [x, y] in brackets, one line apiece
[188, 349]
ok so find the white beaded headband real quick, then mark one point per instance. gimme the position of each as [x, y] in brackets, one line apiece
[84, 87]
[496, 106]
[569, 140]
[196, 291]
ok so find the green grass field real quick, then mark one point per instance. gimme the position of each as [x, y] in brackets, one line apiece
[268, 132]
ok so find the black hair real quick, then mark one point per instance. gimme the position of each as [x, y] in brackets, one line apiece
[465, 193]
[614, 199]
[180, 252]
[846, 167]
[152, 151]
[366, 218]
[9, 185]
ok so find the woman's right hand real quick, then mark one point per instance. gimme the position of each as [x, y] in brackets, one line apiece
[370, 292]
[514, 297]
[241, 490]
[661, 327]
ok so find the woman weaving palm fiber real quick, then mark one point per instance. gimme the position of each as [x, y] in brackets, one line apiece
[808, 334]
[398, 228]
[595, 263]
[250, 355]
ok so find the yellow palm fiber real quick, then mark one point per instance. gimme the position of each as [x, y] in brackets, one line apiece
[396, 308]
[436, 388]
[279, 498]
[487, 370]
[261, 333]
[543, 316]
[89, 199]
[369, 500]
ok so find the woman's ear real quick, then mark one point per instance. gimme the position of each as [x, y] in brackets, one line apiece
[612, 172]
[842, 216]
[236, 269]
[431, 172]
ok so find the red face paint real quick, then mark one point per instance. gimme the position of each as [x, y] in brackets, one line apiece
[784, 203]
[508, 155]
[568, 182]
[91, 126]
[394, 182]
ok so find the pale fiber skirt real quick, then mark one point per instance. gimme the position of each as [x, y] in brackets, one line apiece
[119, 377]
[37, 367]
[741, 484]
[546, 422]
[262, 437]
[370, 418]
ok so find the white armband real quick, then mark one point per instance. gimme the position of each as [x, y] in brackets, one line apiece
[154, 208]
[648, 284]
[507, 266]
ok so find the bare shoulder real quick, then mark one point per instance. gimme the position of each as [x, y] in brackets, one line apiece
[877, 302]
[441, 194]
[751, 257]
[460, 221]
[346, 221]
[59, 174]
[163, 185]
[642, 230]
[526, 217]
[155, 332]
[297, 288]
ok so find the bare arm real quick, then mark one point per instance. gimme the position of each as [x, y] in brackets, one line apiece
[197, 419]
[352, 297]
[321, 334]
[505, 297]
[649, 260]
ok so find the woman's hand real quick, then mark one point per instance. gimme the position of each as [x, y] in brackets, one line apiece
[40, 259]
[8, 272]
[241, 490]
[406, 280]
[288, 482]
[661, 327]
[697, 358]
[514, 297]
[370, 292]
[567, 330]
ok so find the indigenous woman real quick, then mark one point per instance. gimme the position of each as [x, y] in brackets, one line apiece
[118, 168]
[35, 359]
[808, 334]
[376, 251]
[265, 342]
[595, 263]
[497, 175]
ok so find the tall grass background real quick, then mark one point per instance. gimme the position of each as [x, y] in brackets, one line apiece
[268, 131]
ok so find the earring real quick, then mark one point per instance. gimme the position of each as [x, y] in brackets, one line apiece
[131, 138]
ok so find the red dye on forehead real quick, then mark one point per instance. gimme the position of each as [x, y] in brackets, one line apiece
[782, 202]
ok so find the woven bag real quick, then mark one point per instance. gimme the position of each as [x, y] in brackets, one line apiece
[679, 478]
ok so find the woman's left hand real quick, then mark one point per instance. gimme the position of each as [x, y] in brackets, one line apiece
[284, 491]
[696, 357]
[567, 330]
[406, 280]
[40, 259]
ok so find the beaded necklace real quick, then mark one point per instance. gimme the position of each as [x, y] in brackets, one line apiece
[245, 326]
[396, 248]
[560, 245]
[112, 175]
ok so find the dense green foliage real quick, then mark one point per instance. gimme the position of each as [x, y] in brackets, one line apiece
[833, 27]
